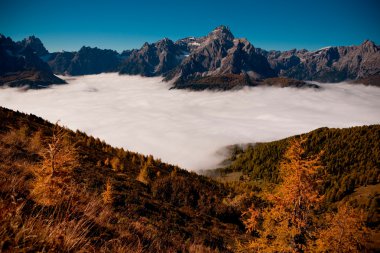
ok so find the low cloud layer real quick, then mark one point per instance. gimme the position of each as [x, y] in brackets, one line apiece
[188, 128]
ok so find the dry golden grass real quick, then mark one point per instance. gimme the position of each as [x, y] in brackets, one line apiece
[65, 226]
[45, 209]
[37, 227]
[118, 246]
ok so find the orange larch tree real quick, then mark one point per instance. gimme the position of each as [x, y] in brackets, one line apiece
[344, 231]
[288, 223]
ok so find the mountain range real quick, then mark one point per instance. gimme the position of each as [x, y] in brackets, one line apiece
[21, 65]
[215, 61]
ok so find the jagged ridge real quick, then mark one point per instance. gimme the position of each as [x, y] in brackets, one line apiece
[219, 61]
[20, 64]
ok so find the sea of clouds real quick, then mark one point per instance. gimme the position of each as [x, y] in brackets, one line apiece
[188, 128]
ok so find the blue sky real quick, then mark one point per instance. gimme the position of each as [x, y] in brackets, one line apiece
[269, 24]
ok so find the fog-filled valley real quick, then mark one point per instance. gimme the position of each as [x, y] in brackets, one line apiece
[189, 128]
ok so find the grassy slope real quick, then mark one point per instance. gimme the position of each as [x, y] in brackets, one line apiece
[176, 211]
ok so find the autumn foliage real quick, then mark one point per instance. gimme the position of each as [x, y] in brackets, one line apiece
[107, 194]
[64, 191]
[53, 172]
[344, 231]
[290, 220]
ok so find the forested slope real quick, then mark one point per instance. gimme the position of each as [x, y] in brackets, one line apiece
[351, 158]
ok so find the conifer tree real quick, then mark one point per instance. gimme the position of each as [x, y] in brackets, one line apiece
[53, 174]
[115, 163]
[290, 224]
[144, 175]
[107, 194]
[60, 155]
[287, 225]
[344, 231]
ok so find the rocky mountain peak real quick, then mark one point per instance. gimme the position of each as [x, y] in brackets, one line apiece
[369, 46]
[146, 44]
[164, 42]
[154, 59]
[34, 44]
[32, 39]
[85, 48]
[20, 65]
[221, 32]
[368, 43]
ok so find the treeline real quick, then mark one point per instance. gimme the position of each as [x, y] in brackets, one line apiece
[351, 158]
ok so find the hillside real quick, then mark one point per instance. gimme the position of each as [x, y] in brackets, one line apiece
[333, 176]
[350, 160]
[65, 191]
[100, 198]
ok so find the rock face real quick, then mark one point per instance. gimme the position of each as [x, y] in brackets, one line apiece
[221, 61]
[189, 44]
[60, 62]
[331, 64]
[84, 62]
[33, 44]
[220, 54]
[216, 61]
[126, 53]
[154, 59]
[20, 65]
